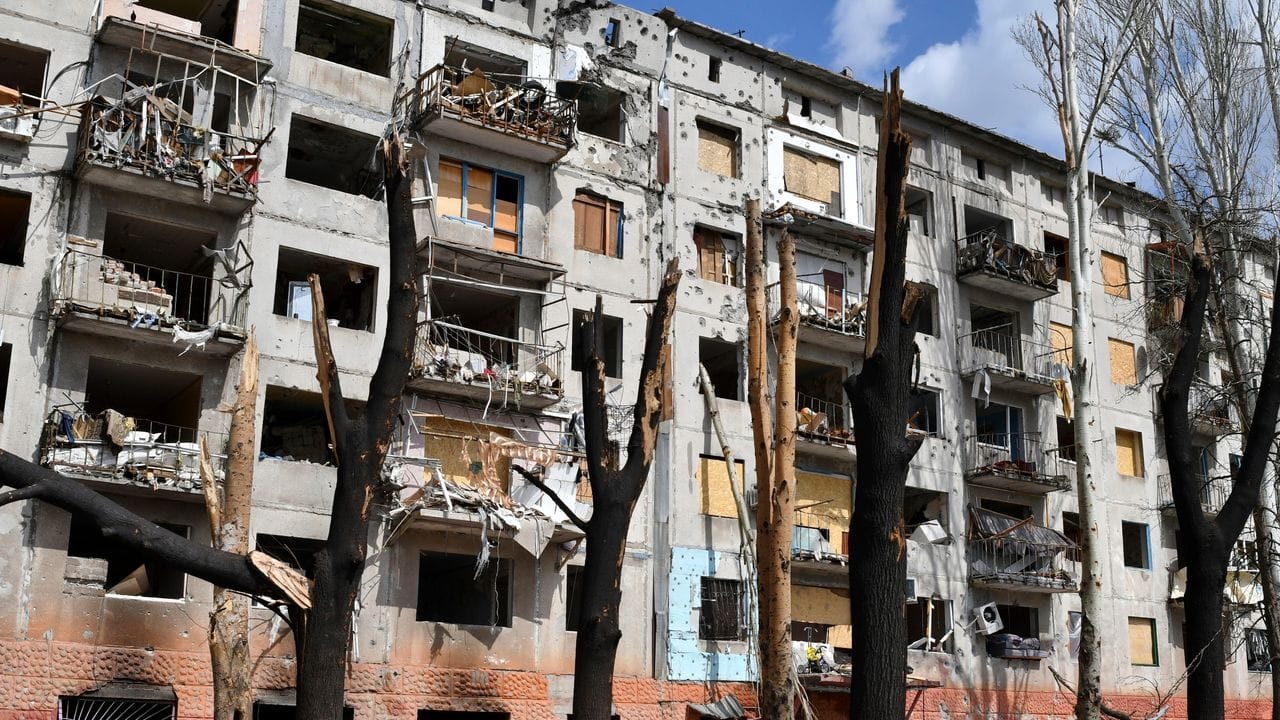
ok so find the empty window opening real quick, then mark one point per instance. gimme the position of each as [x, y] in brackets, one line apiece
[298, 553]
[597, 224]
[22, 71]
[1012, 509]
[6, 364]
[612, 32]
[1257, 650]
[820, 398]
[1075, 533]
[463, 714]
[978, 222]
[294, 426]
[465, 57]
[927, 311]
[349, 289]
[345, 35]
[1066, 438]
[483, 311]
[276, 711]
[332, 157]
[1129, 455]
[723, 362]
[980, 166]
[809, 632]
[921, 506]
[720, 617]
[133, 247]
[924, 414]
[600, 112]
[487, 5]
[920, 211]
[1057, 247]
[717, 149]
[996, 331]
[485, 197]
[717, 255]
[713, 69]
[1142, 641]
[928, 622]
[120, 569]
[15, 209]
[86, 708]
[158, 400]
[1020, 620]
[217, 19]
[813, 177]
[806, 106]
[450, 591]
[572, 597]
[611, 341]
[1137, 545]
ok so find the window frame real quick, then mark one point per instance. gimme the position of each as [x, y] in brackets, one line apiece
[1144, 548]
[725, 132]
[1139, 452]
[937, 432]
[708, 626]
[466, 167]
[1118, 291]
[1155, 641]
[723, 239]
[587, 197]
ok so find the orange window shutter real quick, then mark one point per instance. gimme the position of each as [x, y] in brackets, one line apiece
[590, 223]
[480, 195]
[449, 190]
[612, 223]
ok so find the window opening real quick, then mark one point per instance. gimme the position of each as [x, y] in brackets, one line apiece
[451, 591]
[120, 570]
[15, 210]
[721, 359]
[597, 224]
[612, 342]
[345, 35]
[350, 290]
[717, 149]
[1137, 545]
[333, 157]
[721, 610]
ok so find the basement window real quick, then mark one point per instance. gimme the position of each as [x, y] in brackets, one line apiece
[78, 708]
[350, 289]
[928, 621]
[713, 69]
[924, 413]
[717, 148]
[612, 343]
[600, 112]
[15, 209]
[450, 591]
[344, 35]
[6, 364]
[598, 224]
[717, 255]
[723, 362]
[22, 70]
[273, 711]
[125, 572]
[294, 426]
[333, 157]
[463, 714]
[720, 617]
[572, 597]
[1137, 545]
[482, 196]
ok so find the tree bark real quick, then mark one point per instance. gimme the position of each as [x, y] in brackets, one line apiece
[880, 395]
[615, 490]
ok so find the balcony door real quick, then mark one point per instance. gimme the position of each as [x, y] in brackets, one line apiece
[999, 428]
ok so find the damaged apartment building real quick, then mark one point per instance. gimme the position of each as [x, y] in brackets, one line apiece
[172, 171]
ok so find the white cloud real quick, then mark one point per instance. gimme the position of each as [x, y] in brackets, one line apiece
[860, 33]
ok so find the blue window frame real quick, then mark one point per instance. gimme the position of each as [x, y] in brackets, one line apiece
[483, 196]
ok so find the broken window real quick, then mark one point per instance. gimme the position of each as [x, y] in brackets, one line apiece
[1017, 510]
[1257, 650]
[294, 426]
[812, 176]
[1142, 641]
[920, 211]
[920, 506]
[1129, 455]
[1075, 630]
[450, 590]
[91, 708]
[928, 621]
[597, 224]
[717, 149]
[721, 610]
[464, 714]
[1066, 439]
[1020, 620]
[717, 255]
[1115, 275]
[820, 399]
[927, 310]
[276, 711]
[6, 363]
[572, 597]
[979, 222]
[159, 400]
[612, 32]
[297, 553]
[924, 412]
[1123, 360]
[1075, 533]
[333, 157]
[1056, 247]
[483, 196]
[121, 570]
[22, 71]
[350, 290]
[15, 208]
[1137, 545]
[713, 69]
[482, 311]
[216, 19]
[342, 34]
[126, 283]
[600, 112]
[465, 57]
[806, 106]
[612, 342]
[722, 360]
[809, 632]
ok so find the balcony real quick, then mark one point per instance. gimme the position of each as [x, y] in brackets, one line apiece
[1010, 361]
[1213, 493]
[1208, 409]
[823, 426]
[100, 295]
[814, 562]
[829, 316]
[985, 259]
[460, 362]
[1011, 554]
[1017, 462]
[129, 25]
[112, 448]
[522, 120]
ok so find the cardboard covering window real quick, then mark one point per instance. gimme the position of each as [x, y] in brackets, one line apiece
[813, 177]
[717, 149]
[1142, 641]
[1060, 341]
[713, 480]
[1129, 453]
[1124, 368]
[596, 224]
[1115, 275]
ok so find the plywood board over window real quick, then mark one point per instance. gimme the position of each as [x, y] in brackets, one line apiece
[1124, 364]
[1060, 341]
[813, 177]
[1129, 453]
[717, 149]
[716, 492]
[1142, 641]
[1115, 275]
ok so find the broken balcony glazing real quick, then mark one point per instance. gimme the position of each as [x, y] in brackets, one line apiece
[989, 260]
[1015, 461]
[828, 313]
[459, 361]
[1008, 553]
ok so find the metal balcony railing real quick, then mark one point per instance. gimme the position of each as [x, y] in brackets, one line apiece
[1024, 456]
[822, 419]
[1214, 491]
[989, 251]
[1002, 350]
[449, 352]
[817, 306]
[111, 446]
[1208, 407]
[809, 542]
[524, 110]
[1017, 562]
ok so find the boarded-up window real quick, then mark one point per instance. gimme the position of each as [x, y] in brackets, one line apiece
[1142, 641]
[813, 177]
[463, 457]
[1115, 275]
[486, 197]
[597, 224]
[717, 495]
[449, 192]
[1060, 341]
[717, 256]
[717, 149]
[1129, 453]
[1124, 370]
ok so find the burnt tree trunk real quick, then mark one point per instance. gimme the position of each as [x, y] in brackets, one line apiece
[1211, 539]
[881, 398]
[614, 490]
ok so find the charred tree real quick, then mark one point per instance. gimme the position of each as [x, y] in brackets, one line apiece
[615, 489]
[881, 396]
[1211, 539]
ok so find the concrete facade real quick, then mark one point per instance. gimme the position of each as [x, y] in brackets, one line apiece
[677, 125]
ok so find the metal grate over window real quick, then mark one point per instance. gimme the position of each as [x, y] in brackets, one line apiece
[77, 708]
[721, 617]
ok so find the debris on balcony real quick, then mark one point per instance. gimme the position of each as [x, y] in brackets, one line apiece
[809, 544]
[1016, 647]
[1018, 554]
[457, 354]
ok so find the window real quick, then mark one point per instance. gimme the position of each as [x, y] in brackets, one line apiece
[813, 177]
[717, 149]
[597, 224]
[926, 310]
[601, 112]
[294, 426]
[332, 157]
[345, 35]
[479, 195]
[1057, 246]
[1074, 532]
[1115, 275]
[1000, 426]
[1142, 641]
[716, 493]
[612, 343]
[85, 708]
[122, 571]
[722, 360]
[1066, 439]
[1075, 629]
[1124, 363]
[487, 5]
[1129, 453]
[6, 364]
[1257, 650]
[721, 610]
[450, 590]
[15, 208]
[298, 553]
[923, 414]
[350, 290]
[1019, 620]
[22, 70]
[717, 255]
[809, 632]
[572, 597]
[929, 618]
[275, 711]
[1060, 341]
[1011, 509]
[919, 211]
[612, 32]
[1137, 545]
[806, 106]
[713, 69]
[1112, 215]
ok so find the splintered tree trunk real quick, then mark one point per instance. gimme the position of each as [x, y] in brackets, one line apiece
[614, 491]
[880, 395]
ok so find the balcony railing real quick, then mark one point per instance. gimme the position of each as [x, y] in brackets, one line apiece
[1213, 492]
[110, 446]
[987, 258]
[494, 365]
[1002, 352]
[525, 110]
[1015, 461]
[826, 308]
[822, 420]
[808, 543]
[1208, 408]
[1012, 562]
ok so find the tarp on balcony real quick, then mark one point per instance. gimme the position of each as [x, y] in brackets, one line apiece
[987, 524]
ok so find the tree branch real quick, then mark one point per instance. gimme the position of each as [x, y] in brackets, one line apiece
[648, 411]
[533, 479]
[12, 496]
[335, 409]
